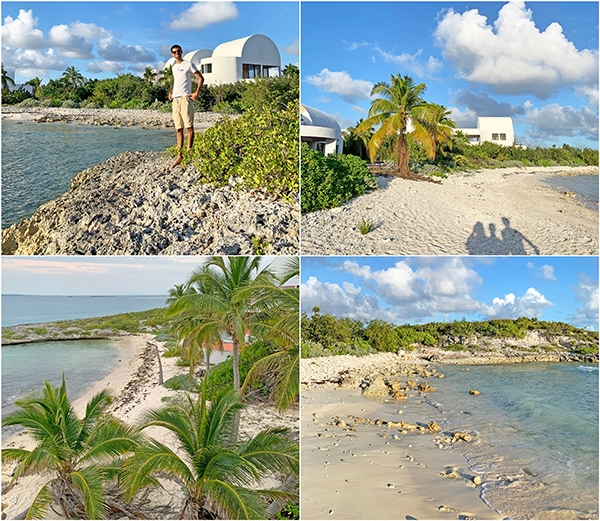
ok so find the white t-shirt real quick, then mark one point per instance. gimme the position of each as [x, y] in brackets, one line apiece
[182, 74]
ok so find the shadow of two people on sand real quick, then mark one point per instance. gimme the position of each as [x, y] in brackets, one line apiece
[510, 242]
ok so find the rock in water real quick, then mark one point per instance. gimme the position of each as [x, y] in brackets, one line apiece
[136, 204]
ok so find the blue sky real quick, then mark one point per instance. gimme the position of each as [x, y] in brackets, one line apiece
[536, 62]
[102, 39]
[426, 289]
[100, 275]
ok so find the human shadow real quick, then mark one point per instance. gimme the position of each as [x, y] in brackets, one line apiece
[510, 242]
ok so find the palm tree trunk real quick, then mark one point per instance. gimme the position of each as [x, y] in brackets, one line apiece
[288, 485]
[207, 364]
[403, 168]
[236, 366]
[160, 369]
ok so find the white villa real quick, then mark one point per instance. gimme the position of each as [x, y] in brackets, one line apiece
[320, 130]
[496, 130]
[243, 59]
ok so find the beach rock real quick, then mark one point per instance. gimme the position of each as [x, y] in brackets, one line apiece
[376, 388]
[476, 480]
[442, 508]
[426, 388]
[476, 393]
[464, 436]
[433, 427]
[136, 204]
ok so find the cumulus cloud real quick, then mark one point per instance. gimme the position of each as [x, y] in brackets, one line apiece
[203, 14]
[545, 272]
[591, 93]
[463, 118]
[293, 49]
[111, 50]
[412, 62]
[62, 39]
[513, 56]
[554, 120]
[349, 89]
[89, 31]
[21, 31]
[348, 301]
[483, 105]
[531, 304]
[33, 63]
[586, 292]
[358, 109]
[105, 66]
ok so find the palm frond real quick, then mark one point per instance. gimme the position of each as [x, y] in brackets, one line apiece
[89, 481]
[39, 507]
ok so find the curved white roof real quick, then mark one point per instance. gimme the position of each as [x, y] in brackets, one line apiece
[255, 43]
[317, 118]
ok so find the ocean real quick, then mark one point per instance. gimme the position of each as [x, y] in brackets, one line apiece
[25, 367]
[40, 159]
[537, 427]
[585, 187]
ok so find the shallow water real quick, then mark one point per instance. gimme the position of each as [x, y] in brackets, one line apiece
[30, 309]
[585, 187]
[25, 368]
[39, 160]
[538, 434]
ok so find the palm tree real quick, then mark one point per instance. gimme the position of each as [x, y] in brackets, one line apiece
[441, 128]
[277, 320]
[149, 75]
[73, 77]
[35, 84]
[6, 79]
[398, 111]
[78, 452]
[225, 289]
[215, 474]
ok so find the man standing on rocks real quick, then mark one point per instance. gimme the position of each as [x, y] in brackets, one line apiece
[183, 99]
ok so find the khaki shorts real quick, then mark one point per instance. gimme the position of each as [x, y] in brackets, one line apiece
[183, 112]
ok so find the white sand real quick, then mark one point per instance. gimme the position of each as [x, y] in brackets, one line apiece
[507, 211]
[362, 475]
[135, 393]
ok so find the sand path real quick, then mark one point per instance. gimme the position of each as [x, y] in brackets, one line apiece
[508, 211]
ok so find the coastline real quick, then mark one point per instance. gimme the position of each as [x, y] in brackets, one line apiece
[339, 392]
[136, 204]
[135, 387]
[106, 117]
[489, 212]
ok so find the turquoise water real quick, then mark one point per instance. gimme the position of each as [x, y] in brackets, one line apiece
[40, 159]
[30, 309]
[584, 186]
[25, 368]
[537, 428]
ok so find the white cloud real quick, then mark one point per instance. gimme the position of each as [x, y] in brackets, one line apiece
[531, 304]
[586, 292]
[324, 99]
[463, 119]
[105, 66]
[547, 272]
[33, 63]
[343, 84]
[21, 32]
[348, 302]
[69, 45]
[111, 50]
[555, 120]
[358, 109]
[344, 123]
[412, 62]
[203, 14]
[89, 31]
[591, 93]
[481, 104]
[513, 56]
[355, 45]
[293, 49]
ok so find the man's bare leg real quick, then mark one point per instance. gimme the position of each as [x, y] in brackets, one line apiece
[190, 132]
[179, 147]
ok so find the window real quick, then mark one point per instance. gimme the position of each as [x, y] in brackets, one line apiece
[270, 71]
[207, 68]
[502, 137]
[250, 71]
[494, 137]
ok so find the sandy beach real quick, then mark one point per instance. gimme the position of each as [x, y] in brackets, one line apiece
[507, 211]
[373, 472]
[135, 385]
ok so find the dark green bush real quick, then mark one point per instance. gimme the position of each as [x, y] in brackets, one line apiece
[330, 181]
[182, 383]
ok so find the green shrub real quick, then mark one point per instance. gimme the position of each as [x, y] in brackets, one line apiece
[227, 108]
[260, 149]
[182, 383]
[69, 104]
[328, 182]
[30, 102]
[41, 331]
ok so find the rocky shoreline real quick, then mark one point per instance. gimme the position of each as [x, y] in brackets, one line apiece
[136, 204]
[104, 117]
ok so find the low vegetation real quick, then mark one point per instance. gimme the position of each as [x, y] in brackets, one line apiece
[327, 335]
[330, 181]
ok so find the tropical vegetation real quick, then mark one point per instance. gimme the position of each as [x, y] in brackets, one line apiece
[79, 454]
[216, 474]
[324, 334]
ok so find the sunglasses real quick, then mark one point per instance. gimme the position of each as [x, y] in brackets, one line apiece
[176, 52]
